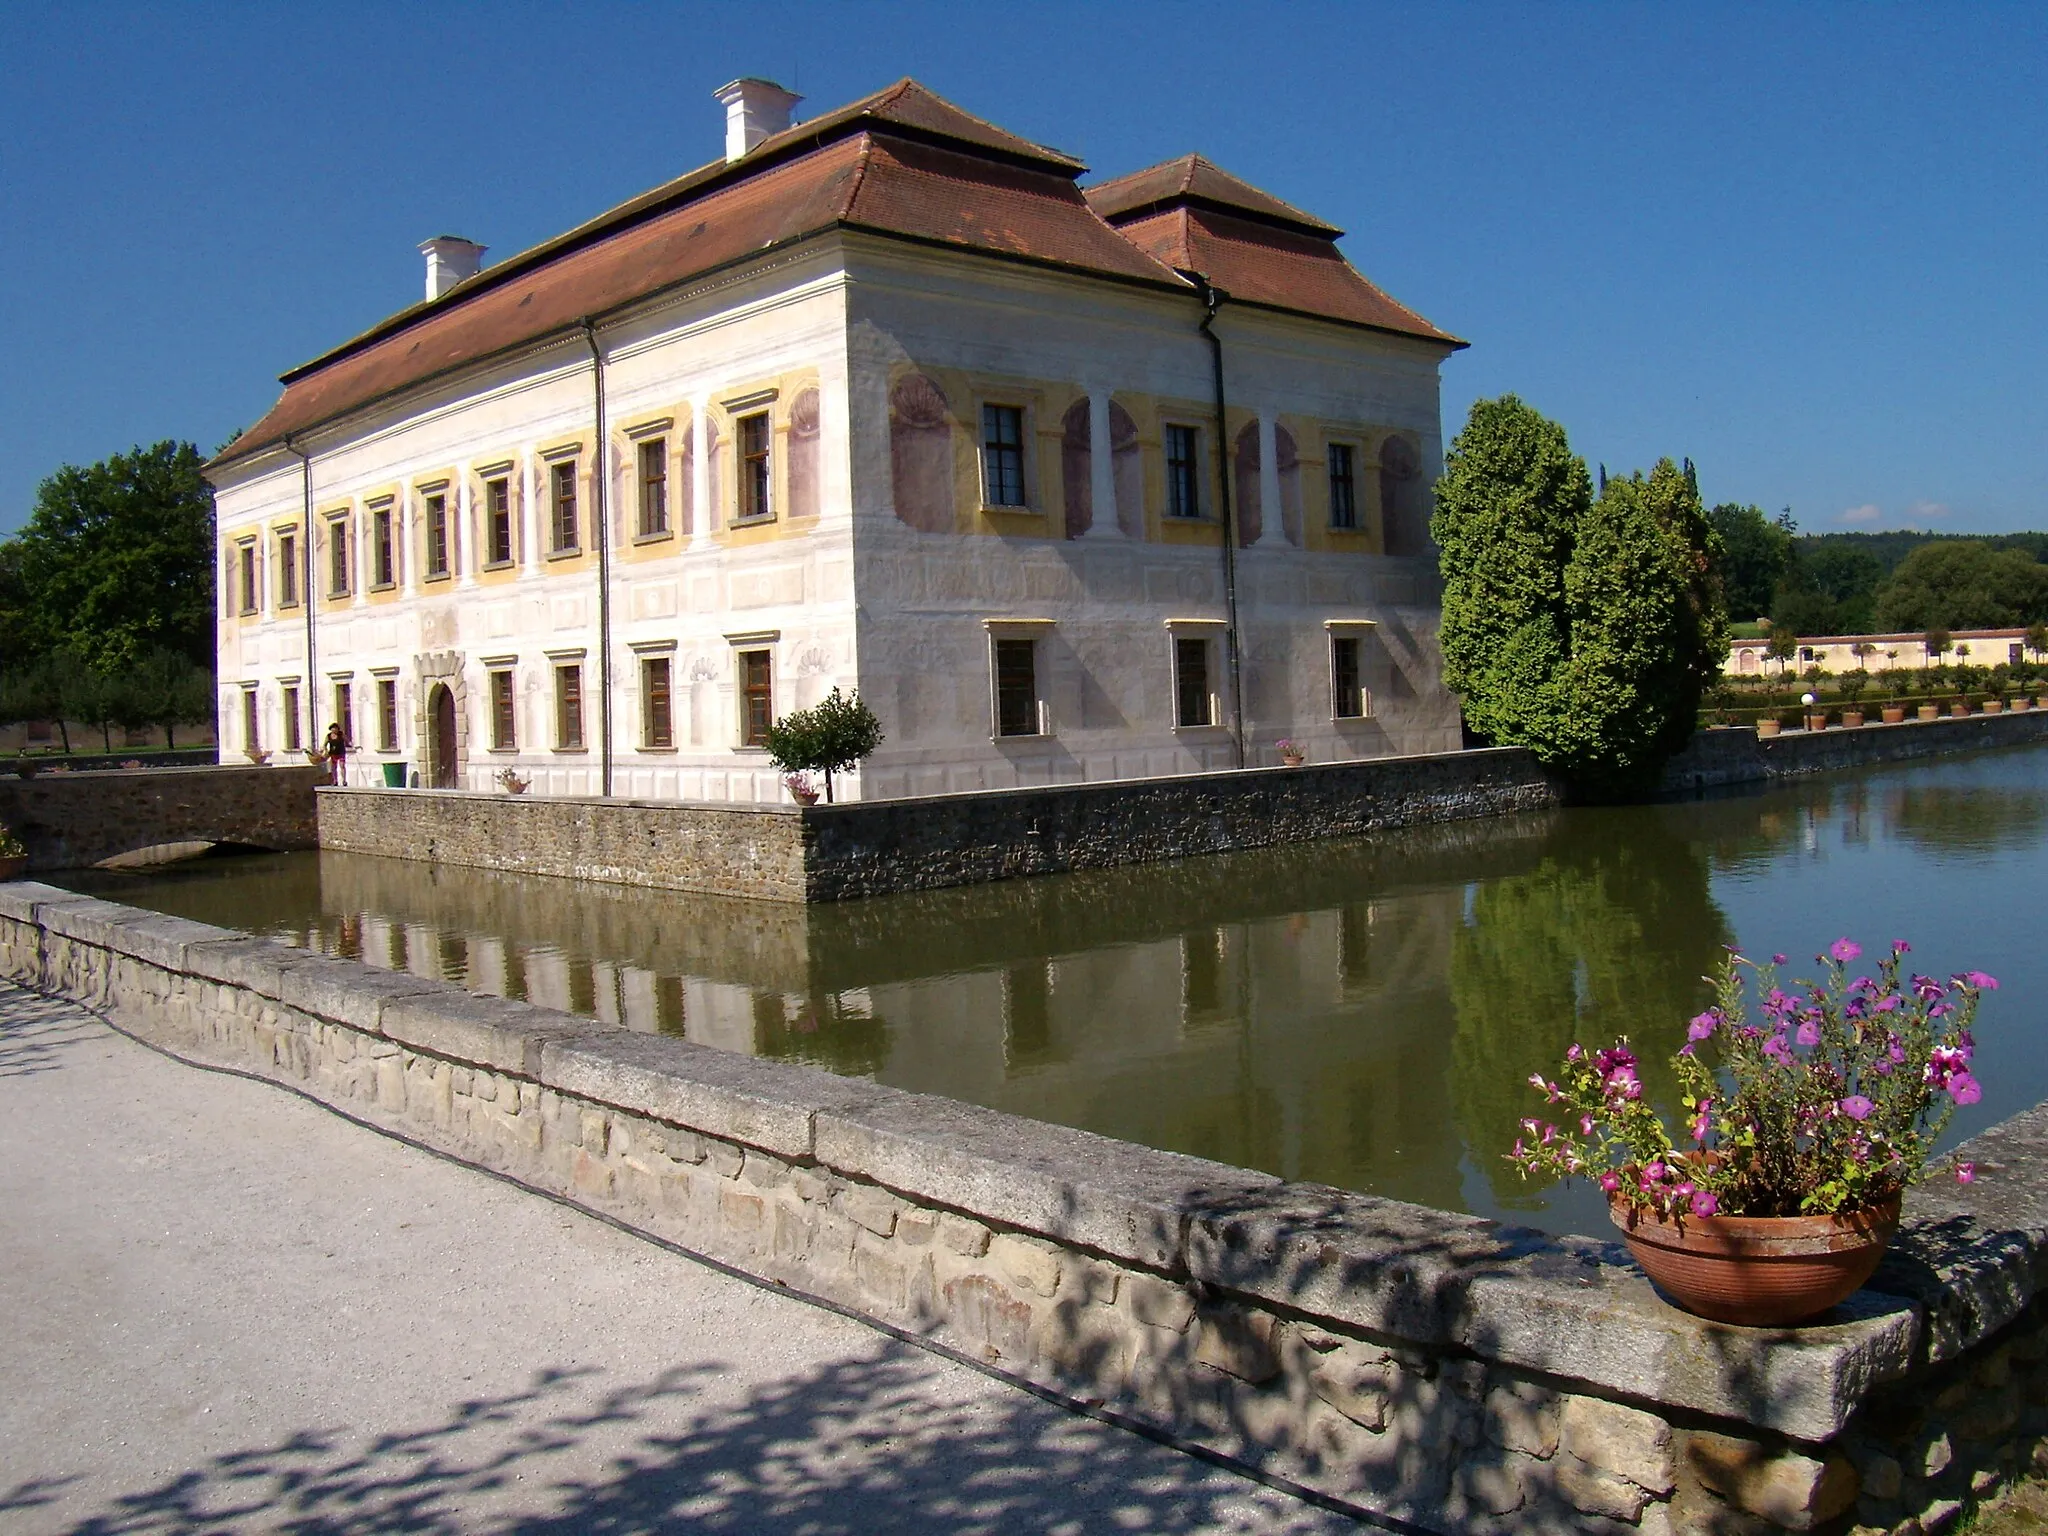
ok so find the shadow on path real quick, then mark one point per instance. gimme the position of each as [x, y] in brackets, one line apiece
[859, 1445]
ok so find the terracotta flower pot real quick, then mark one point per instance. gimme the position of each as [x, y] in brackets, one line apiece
[1959, 710]
[1851, 718]
[804, 796]
[1292, 759]
[13, 866]
[1758, 1271]
[1816, 722]
[1994, 706]
[1894, 714]
[1930, 711]
[2020, 705]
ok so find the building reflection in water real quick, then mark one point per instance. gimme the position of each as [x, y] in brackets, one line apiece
[1363, 1013]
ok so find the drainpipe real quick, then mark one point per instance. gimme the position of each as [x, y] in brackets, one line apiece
[306, 588]
[601, 483]
[1212, 301]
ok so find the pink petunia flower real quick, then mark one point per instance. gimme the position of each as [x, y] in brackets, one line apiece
[1704, 1203]
[1845, 950]
[1966, 1173]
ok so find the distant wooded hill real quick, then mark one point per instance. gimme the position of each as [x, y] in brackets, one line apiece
[1859, 583]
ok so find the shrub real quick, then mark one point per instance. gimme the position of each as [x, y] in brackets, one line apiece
[830, 737]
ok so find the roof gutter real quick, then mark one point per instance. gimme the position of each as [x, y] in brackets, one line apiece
[1213, 300]
[600, 477]
[306, 586]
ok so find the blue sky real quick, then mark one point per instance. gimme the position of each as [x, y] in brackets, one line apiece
[1804, 245]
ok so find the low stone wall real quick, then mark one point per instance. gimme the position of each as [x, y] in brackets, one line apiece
[868, 848]
[74, 820]
[1447, 1371]
[740, 850]
[1737, 755]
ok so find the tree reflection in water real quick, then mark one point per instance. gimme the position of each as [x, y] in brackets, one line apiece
[1606, 936]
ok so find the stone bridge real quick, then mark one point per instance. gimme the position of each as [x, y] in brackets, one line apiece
[74, 820]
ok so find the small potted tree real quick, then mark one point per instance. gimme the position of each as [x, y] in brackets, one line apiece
[832, 736]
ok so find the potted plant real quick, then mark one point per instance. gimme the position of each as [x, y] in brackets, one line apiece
[800, 788]
[510, 780]
[832, 736]
[1929, 711]
[1892, 714]
[1290, 754]
[258, 755]
[1959, 708]
[1802, 1133]
[13, 857]
[1768, 725]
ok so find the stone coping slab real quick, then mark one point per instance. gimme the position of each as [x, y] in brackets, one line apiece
[1964, 1266]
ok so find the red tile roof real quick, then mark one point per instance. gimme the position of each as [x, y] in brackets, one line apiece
[1196, 217]
[903, 163]
[1192, 181]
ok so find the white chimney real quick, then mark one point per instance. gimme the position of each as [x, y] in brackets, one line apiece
[450, 259]
[754, 110]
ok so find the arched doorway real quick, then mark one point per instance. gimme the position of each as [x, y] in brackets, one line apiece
[441, 738]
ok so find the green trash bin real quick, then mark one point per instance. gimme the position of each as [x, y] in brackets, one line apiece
[394, 775]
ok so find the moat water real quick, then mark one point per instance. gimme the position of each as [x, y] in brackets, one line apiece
[1364, 1013]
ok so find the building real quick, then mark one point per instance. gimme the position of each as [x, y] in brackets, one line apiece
[884, 401]
[1833, 654]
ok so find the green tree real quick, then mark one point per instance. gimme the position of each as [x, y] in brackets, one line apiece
[1963, 584]
[1782, 646]
[1756, 551]
[1508, 509]
[1937, 643]
[2037, 639]
[115, 558]
[830, 737]
[1586, 631]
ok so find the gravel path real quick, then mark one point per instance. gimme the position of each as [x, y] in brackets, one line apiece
[228, 1310]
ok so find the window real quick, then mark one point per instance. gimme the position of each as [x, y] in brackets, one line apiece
[757, 699]
[498, 520]
[289, 703]
[504, 712]
[387, 714]
[569, 708]
[562, 507]
[337, 558]
[1002, 455]
[754, 476]
[1183, 482]
[654, 487]
[1017, 688]
[288, 569]
[2015, 654]
[250, 743]
[245, 556]
[345, 712]
[1343, 490]
[437, 535]
[657, 718]
[1191, 701]
[382, 569]
[1347, 690]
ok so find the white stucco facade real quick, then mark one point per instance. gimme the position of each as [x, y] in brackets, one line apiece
[881, 562]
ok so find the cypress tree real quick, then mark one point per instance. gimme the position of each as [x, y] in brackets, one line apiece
[1585, 630]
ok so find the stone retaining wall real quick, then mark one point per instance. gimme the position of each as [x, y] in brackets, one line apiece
[1448, 1371]
[74, 820]
[867, 848]
[1737, 755]
[739, 850]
